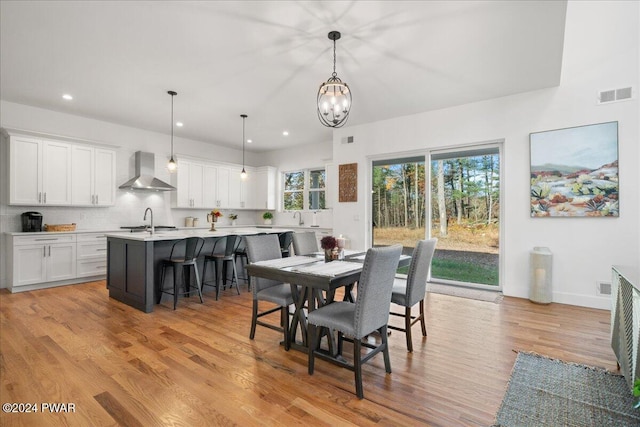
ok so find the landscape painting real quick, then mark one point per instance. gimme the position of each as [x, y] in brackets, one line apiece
[574, 172]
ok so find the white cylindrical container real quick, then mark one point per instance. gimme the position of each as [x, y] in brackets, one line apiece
[540, 276]
[196, 222]
[188, 221]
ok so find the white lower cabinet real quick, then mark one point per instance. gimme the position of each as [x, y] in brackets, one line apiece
[92, 255]
[52, 259]
[38, 259]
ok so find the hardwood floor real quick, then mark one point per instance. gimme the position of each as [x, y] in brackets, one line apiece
[197, 366]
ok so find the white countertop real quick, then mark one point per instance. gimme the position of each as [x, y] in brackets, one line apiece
[190, 231]
[193, 232]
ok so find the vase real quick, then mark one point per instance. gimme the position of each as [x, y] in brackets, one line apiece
[233, 222]
[267, 221]
[327, 255]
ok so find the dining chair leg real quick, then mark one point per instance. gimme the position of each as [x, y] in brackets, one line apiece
[311, 340]
[423, 322]
[357, 367]
[407, 327]
[385, 349]
[284, 319]
[254, 319]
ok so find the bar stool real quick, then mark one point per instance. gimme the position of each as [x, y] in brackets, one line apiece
[193, 246]
[221, 259]
[285, 239]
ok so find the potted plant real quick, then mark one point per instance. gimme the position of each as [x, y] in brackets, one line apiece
[267, 216]
[233, 217]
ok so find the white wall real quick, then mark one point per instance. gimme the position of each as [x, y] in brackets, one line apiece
[600, 52]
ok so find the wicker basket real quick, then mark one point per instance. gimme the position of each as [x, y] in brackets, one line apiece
[60, 227]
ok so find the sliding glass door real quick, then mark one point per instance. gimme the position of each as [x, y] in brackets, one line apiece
[465, 216]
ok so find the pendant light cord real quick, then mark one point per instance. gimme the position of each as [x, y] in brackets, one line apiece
[172, 126]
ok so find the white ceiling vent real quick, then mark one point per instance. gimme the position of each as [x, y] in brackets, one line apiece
[604, 288]
[347, 140]
[613, 95]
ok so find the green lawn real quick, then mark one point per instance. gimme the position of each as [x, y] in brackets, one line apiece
[460, 271]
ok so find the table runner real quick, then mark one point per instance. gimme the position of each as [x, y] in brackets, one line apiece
[286, 262]
[329, 269]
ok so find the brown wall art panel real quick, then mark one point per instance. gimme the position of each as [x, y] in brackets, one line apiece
[348, 182]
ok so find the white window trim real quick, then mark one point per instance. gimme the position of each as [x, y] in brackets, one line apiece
[305, 191]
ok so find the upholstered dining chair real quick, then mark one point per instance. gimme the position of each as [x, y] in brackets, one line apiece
[411, 291]
[179, 262]
[222, 254]
[356, 320]
[305, 243]
[261, 248]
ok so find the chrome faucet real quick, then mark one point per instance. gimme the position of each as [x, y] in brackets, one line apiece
[152, 231]
[300, 220]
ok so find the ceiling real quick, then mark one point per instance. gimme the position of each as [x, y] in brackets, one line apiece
[268, 58]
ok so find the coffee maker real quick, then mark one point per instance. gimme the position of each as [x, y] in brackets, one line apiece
[31, 221]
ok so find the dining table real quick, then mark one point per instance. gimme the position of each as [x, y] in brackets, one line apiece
[313, 284]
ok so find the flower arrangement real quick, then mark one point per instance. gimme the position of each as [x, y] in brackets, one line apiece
[233, 216]
[267, 215]
[328, 242]
[216, 213]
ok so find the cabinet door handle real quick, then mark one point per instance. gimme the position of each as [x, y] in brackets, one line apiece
[47, 240]
[49, 250]
[45, 198]
[40, 197]
[96, 199]
[44, 251]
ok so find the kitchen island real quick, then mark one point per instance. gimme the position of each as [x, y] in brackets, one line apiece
[134, 260]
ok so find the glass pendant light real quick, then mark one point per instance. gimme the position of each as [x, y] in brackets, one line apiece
[243, 174]
[172, 166]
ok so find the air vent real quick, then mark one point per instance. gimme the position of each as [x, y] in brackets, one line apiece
[347, 140]
[604, 288]
[613, 95]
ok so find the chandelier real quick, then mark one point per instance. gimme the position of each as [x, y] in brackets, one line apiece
[334, 96]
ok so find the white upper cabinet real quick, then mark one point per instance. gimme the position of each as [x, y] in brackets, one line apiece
[216, 185]
[263, 194]
[58, 173]
[40, 172]
[93, 176]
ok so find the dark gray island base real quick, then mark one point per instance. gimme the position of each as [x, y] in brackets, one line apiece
[130, 272]
[134, 262]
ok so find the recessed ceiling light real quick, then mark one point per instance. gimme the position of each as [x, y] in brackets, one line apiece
[67, 97]
[249, 141]
[285, 133]
[179, 124]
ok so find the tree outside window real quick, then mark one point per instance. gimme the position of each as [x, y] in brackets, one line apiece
[304, 188]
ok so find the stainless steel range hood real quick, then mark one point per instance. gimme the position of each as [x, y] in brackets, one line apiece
[144, 179]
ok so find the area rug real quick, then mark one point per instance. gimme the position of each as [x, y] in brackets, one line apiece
[548, 392]
[460, 291]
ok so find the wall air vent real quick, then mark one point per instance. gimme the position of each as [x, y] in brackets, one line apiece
[347, 140]
[604, 288]
[614, 95]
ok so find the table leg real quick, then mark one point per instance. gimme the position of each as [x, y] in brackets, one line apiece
[300, 296]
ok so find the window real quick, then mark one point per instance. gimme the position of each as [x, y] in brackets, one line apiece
[304, 188]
